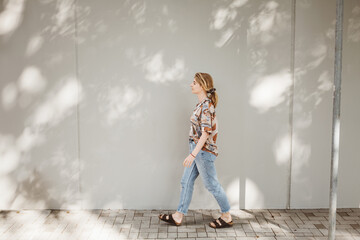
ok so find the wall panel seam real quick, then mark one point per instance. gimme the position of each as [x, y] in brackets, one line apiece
[78, 100]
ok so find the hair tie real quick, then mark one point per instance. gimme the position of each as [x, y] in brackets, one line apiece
[211, 91]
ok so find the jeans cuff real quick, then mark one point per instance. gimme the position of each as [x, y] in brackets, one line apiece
[225, 211]
[182, 212]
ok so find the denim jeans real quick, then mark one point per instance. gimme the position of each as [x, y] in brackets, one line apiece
[204, 165]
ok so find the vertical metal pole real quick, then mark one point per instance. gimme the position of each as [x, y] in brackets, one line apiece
[291, 96]
[336, 118]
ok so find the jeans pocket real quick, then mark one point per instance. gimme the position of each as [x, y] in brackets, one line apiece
[207, 156]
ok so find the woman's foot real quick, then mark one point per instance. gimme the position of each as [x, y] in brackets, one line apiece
[176, 216]
[224, 216]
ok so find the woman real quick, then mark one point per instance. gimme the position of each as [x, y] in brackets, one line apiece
[203, 152]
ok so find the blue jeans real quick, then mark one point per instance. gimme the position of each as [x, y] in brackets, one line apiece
[204, 165]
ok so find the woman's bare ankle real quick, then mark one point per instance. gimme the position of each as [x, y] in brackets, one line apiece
[179, 214]
[226, 215]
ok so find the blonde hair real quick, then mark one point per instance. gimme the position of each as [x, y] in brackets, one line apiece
[206, 82]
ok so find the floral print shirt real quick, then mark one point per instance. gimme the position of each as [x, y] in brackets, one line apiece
[204, 118]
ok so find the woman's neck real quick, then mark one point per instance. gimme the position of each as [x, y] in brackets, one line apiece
[201, 96]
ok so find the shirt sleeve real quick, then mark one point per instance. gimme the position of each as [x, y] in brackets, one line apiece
[206, 118]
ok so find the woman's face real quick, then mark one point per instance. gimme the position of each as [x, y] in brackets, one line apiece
[195, 87]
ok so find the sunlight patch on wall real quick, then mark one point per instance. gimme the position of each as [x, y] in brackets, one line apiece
[62, 21]
[233, 193]
[222, 17]
[226, 36]
[28, 139]
[59, 104]
[324, 85]
[9, 96]
[30, 83]
[319, 53]
[158, 72]
[353, 30]
[270, 91]
[225, 16]
[9, 155]
[253, 195]
[137, 11]
[34, 45]
[64, 16]
[304, 119]
[12, 16]
[282, 149]
[7, 190]
[31, 80]
[312, 58]
[268, 23]
[118, 101]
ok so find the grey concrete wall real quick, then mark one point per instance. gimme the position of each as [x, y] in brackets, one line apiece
[348, 194]
[39, 95]
[312, 114]
[95, 102]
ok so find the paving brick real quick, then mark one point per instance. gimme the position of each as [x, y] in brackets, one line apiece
[203, 234]
[192, 234]
[246, 238]
[186, 230]
[316, 232]
[285, 238]
[221, 234]
[212, 234]
[280, 234]
[172, 235]
[162, 235]
[304, 238]
[240, 233]
[250, 234]
[231, 234]
[152, 235]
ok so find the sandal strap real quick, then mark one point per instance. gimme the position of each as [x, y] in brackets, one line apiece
[216, 223]
[172, 219]
[223, 223]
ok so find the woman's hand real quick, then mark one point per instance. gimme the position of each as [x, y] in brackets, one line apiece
[188, 161]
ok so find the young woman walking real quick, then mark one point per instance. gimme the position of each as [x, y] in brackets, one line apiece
[203, 152]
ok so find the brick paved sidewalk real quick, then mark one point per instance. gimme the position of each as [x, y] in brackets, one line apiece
[145, 224]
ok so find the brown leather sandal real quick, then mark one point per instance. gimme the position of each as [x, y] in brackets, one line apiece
[170, 220]
[222, 223]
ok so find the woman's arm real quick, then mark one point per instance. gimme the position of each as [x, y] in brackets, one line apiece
[189, 160]
[200, 143]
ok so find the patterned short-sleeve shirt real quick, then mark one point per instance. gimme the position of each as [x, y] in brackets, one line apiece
[204, 118]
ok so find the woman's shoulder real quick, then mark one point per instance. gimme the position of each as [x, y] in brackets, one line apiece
[208, 105]
[206, 101]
